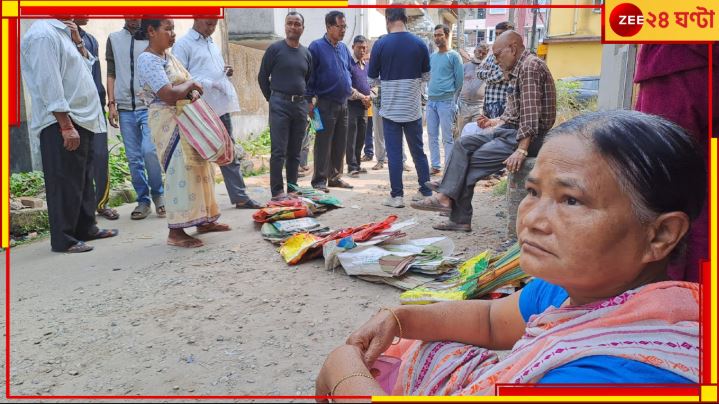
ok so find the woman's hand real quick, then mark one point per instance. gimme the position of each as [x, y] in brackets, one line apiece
[196, 86]
[194, 95]
[375, 336]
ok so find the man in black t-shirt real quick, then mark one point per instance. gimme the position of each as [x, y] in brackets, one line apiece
[284, 72]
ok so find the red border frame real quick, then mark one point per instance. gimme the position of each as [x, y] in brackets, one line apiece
[508, 390]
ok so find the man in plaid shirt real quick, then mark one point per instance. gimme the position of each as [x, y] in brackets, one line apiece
[495, 93]
[499, 142]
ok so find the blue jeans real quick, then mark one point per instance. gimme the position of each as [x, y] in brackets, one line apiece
[141, 155]
[440, 115]
[393, 144]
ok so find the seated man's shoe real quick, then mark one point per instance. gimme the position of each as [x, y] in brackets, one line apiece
[433, 185]
[452, 226]
[339, 184]
[248, 204]
[431, 204]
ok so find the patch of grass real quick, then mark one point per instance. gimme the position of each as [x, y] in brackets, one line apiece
[27, 184]
[257, 171]
[568, 106]
[501, 188]
[119, 168]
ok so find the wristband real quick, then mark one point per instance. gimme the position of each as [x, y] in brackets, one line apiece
[522, 152]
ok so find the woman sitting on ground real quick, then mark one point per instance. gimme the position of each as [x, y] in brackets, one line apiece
[609, 202]
[189, 180]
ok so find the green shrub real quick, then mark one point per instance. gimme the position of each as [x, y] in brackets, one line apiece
[258, 146]
[27, 184]
[119, 169]
[568, 106]
[501, 188]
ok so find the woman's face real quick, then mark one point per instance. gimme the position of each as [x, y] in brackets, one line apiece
[164, 36]
[576, 227]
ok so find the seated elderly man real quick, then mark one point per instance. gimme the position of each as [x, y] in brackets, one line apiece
[504, 141]
[610, 200]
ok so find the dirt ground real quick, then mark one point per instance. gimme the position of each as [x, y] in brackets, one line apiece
[137, 317]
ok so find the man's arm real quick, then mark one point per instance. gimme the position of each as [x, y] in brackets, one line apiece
[530, 104]
[263, 77]
[458, 76]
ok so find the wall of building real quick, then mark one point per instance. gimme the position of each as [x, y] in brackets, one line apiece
[574, 59]
[575, 21]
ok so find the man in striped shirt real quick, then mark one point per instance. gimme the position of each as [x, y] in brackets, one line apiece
[400, 62]
[495, 95]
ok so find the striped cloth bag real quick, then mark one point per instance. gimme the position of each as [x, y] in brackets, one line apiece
[204, 131]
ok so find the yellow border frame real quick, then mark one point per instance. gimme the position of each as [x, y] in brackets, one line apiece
[11, 9]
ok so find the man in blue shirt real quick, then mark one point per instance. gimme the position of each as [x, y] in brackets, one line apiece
[331, 85]
[445, 84]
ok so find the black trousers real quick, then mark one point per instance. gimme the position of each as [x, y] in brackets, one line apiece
[288, 122]
[100, 169]
[330, 143]
[356, 128]
[69, 187]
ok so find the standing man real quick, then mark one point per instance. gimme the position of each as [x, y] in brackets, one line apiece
[471, 99]
[495, 96]
[202, 58]
[357, 107]
[331, 84]
[400, 62]
[66, 113]
[131, 114]
[502, 142]
[100, 154]
[284, 72]
[445, 83]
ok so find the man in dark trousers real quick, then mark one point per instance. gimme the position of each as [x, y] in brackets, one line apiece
[502, 142]
[66, 113]
[357, 107]
[331, 84]
[284, 72]
[100, 153]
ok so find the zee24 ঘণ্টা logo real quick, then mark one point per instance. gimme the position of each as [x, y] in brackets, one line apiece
[627, 19]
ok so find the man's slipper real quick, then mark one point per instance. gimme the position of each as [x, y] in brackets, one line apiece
[79, 247]
[431, 204]
[103, 233]
[211, 227]
[141, 211]
[186, 243]
[109, 214]
[248, 204]
[452, 226]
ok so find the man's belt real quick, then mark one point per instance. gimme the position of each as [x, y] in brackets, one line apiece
[289, 97]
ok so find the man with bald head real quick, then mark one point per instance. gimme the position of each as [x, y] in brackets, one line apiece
[500, 142]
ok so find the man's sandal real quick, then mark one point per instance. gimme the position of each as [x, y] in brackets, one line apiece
[103, 233]
[430, 204]
[109, 214]
[141, 211]
[79, 247]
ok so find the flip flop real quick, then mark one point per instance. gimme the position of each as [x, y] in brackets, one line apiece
[109, 214]
[452, 226]
[141, 211]
[186, 243]
[212, 227]
[430, 204]
[103, 233]
[79, 247]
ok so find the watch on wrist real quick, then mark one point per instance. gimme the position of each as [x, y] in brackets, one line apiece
[80, 45]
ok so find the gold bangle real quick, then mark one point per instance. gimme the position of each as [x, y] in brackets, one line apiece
[399, 325]
[358, 374]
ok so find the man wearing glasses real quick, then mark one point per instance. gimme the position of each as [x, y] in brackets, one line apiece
[330, 84]
[499, 142]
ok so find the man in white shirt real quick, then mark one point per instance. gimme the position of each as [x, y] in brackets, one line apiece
[66, 113]
[202, 58]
